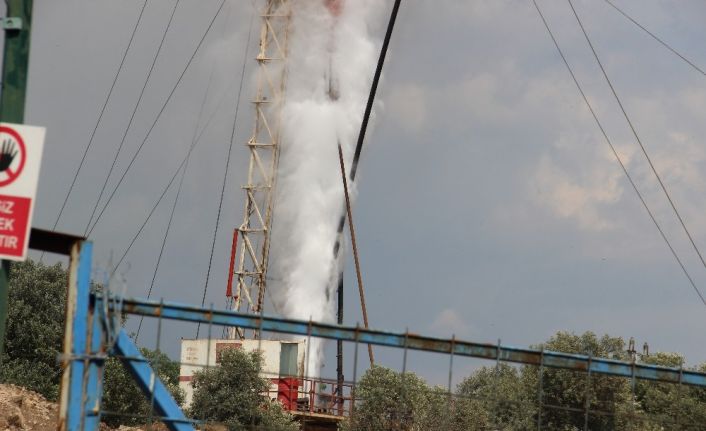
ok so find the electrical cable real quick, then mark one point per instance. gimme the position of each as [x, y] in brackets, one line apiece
[176, 173]
[134, 112]
[159, 115]
[100, 116]
[154, 208]
[178, 193]
[227, 165]
[637, 138]
[617, 156]
[657, 38]
[164, 242]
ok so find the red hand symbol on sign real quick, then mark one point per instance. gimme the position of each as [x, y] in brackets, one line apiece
[8, 175]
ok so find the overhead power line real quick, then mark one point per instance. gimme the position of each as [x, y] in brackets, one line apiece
[154, 208]
[227, 164]
[617, 156]
[134, 112]
[637, 138]
[658, 39]
[178, 194]
[174, 175]
[100, 116]
[156, 120]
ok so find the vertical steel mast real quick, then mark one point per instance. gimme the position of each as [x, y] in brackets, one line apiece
[264, 146]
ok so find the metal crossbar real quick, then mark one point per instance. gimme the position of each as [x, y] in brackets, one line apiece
[169, 310]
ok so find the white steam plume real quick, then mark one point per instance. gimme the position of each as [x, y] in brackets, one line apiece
[331, 63]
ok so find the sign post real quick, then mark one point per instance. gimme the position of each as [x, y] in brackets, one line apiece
[18, 29]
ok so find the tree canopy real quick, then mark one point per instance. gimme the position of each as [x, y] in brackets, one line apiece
[232, 394]
[35, 327]
[507, 397]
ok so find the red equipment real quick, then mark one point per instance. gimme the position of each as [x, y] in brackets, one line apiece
[287, 392]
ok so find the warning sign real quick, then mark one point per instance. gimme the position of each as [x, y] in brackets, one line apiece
[20, 159]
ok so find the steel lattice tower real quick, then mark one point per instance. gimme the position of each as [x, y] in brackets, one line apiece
[252, 252]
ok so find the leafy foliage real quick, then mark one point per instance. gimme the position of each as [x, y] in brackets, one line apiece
[389, 400]
[507, 397]
[232, 394]
[568, 389]
[37, 298]
[504, 395]
[667, 403]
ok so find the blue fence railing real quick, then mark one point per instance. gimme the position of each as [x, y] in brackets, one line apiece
[92, 336]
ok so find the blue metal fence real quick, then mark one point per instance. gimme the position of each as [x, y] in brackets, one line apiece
[92, 335]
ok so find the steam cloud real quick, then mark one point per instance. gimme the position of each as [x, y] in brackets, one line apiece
[331, 63]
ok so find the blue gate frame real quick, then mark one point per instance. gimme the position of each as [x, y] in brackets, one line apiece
[93, 333]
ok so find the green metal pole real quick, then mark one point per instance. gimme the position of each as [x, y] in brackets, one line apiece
[17, 26]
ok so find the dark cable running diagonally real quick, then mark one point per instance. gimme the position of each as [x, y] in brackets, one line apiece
[100, 116]
[227, 165]
[134, 112]
[156, 120]
[173, 177]
[639, 141]
[178, 194]
[617, 156]
[657, 38]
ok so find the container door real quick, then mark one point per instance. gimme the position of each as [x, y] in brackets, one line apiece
[288, 359]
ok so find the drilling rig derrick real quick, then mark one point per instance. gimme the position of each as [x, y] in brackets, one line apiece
[252, 250]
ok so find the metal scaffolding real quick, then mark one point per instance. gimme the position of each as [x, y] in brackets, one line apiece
[264, 146]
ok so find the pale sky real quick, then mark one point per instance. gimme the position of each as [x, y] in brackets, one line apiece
[489, 205]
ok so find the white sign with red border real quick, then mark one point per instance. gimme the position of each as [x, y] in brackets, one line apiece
[20, 159]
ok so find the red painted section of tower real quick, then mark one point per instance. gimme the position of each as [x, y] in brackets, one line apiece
[231, 268]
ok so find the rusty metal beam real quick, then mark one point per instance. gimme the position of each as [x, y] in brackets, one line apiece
[581, 363]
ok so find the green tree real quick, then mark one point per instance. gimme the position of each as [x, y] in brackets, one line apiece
[388, 400]
[122, 395]
[507, 397]
[609, 395]
[232, 394]
[503, 395]
[37, 298]
[445, 412]
[670, 405]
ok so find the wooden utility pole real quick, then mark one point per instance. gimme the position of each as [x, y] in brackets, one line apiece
[17, 25]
